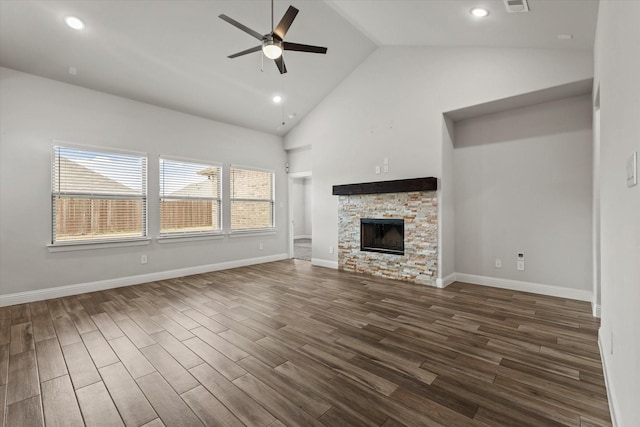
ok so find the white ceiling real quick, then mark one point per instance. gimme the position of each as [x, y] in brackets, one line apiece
[449, 23]
[173, 53]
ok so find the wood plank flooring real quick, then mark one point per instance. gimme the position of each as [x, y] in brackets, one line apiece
[286, 343]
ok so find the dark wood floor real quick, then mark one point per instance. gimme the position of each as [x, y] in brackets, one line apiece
[288, 343]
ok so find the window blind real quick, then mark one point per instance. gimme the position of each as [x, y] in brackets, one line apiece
[252, 199]
[190, 197]
[98, 195]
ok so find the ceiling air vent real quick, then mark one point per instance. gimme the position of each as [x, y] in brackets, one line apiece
[516, 6]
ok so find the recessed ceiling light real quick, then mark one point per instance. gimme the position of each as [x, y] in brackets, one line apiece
[73, 22]
[277, 99]
[479, 12]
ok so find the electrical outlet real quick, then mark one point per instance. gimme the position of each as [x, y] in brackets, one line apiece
[143, 259]
[261, 246]
[498, 263]
[377, 170]
[385, 168]
[330, 249]
[520, 265]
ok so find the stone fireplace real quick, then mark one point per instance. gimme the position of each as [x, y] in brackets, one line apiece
[383, 206]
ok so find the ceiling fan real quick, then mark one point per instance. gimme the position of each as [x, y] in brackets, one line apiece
[273, 43]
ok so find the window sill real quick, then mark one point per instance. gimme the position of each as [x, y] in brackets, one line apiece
[82, 246]
[250, 233]
[189, 238]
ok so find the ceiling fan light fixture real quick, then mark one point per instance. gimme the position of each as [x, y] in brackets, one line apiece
[272, 49]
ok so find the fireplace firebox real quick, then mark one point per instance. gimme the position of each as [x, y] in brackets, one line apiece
[382, 235]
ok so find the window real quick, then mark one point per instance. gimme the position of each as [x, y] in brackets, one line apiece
[252, 199]
[189, 197]
[98, 195]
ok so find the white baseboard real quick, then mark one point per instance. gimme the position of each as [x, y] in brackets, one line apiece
[516, 285]
[595, 309]
[445, 281]
[63, 291]
[613, 403]
[324, 263]
[303, 236]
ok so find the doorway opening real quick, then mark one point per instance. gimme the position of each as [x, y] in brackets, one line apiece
[301, 215]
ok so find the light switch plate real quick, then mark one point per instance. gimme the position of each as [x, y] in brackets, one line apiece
[632, 170]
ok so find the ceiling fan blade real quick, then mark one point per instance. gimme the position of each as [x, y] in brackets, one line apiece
[280, 64]
[244, 52]
[304, 48]
[241, 26]
[285, 22]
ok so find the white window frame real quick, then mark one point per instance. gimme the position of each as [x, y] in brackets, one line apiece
[259, 230]
[219, 199]
[98, 242]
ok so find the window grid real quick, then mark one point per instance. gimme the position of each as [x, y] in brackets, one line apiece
[97, 195]
[190, 198]
[252, 199]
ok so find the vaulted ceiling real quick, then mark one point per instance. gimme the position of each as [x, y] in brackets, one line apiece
[173, 53]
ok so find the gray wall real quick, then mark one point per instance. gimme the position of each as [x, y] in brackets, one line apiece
[617, 70]
[522, 181]
[35, 111]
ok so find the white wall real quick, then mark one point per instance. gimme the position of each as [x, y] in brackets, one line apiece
[299, 159]
[391, 106]
[522, 182]
[617, 65]
[308, 206]
[297, 204]
[35, 111]
[595, 223]
[300, 202]
[446, 207]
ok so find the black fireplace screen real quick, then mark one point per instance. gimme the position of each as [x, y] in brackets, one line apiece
[382, 235]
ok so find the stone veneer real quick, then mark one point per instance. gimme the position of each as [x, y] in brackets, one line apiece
[419, 209]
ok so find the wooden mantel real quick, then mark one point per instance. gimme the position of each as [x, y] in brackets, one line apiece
[380, 187]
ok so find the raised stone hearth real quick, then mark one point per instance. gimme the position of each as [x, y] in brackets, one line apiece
[419, 209]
